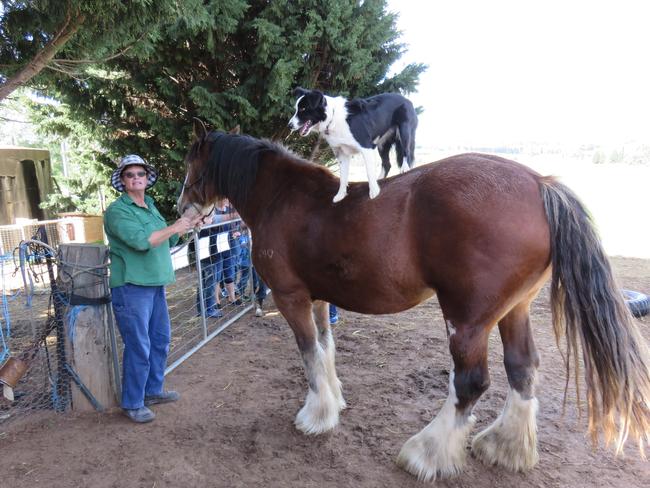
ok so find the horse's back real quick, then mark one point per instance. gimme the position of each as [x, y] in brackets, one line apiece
[474, 186]
[476, 211]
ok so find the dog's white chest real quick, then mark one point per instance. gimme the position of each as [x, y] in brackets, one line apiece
[342, 141]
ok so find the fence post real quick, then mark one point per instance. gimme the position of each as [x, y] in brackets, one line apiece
[90, 360]
[199, 271]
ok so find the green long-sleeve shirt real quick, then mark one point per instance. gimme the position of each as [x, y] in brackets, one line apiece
[128, 228]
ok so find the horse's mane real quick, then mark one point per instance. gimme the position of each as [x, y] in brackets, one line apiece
[233, 162]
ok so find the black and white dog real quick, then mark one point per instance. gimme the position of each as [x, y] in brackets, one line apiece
[358, 126]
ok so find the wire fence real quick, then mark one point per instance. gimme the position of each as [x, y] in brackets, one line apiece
[213, 289]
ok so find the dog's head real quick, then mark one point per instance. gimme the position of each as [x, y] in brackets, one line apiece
[310, 110]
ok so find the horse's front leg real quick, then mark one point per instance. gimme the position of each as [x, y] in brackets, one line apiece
[320, 412]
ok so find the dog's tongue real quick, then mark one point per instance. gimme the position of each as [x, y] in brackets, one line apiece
[305, 128]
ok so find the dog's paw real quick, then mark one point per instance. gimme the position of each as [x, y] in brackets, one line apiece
[339, 196]
[374, 191]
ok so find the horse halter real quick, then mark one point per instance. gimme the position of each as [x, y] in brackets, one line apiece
[196, 206]
[200, 178]
[207, 137]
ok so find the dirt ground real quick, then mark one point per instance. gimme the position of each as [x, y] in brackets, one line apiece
[234, 424]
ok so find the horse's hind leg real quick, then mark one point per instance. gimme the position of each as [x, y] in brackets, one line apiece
[322, 405]
[326, 340]
[439, 448]
[511, 441]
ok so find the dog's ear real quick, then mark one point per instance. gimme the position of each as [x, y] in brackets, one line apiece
[299, 92]
[235, 130]
[200, 130]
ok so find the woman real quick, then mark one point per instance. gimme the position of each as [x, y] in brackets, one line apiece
[141, 266]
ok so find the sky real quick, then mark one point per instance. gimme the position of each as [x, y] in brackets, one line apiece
[505, 71]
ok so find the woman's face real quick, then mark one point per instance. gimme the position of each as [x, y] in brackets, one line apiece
[134, 178]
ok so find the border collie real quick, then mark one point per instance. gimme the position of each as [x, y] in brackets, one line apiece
[358, 126]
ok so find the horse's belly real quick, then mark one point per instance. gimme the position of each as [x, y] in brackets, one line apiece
[378, 303]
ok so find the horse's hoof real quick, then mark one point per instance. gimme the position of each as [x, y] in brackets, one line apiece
[342, 403]
[511, 441]
[338, 197]
[311, 425]
[319, 414]
[431, 461]
[494, 446]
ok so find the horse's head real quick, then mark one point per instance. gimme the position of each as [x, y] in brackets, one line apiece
[197, 197]
[218, 165]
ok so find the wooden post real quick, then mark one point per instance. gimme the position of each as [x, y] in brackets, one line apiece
[88, 339]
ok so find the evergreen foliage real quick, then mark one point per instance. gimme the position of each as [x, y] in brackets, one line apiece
[81, 181]
[227, 62]
[42, 41]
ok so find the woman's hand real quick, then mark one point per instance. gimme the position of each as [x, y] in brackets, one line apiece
[180, 227]
[185, 224]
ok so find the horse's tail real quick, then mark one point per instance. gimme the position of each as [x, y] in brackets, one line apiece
[587, 304]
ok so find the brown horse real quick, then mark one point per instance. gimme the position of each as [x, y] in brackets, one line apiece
[484, 234]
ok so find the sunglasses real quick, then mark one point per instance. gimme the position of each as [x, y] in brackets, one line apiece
[139, 174]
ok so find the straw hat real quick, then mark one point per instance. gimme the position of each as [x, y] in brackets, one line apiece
[133, 160]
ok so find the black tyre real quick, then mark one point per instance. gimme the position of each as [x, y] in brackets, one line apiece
[638, 303]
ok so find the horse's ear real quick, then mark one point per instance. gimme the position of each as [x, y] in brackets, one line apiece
[235, 130]
[200, 130]
[299, 92]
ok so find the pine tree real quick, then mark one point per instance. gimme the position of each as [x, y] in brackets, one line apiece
[42, 41]
[233, 62]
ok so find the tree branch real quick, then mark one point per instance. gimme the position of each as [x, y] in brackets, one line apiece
[71, 73]
[6, 119]
[73, 62]
[43, 57]
[315, 150]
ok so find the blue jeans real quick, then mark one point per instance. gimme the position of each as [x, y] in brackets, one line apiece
[227, 261]
[143, 320]
[210, 274]
[244, 277]
[259, 287]
[334, 314]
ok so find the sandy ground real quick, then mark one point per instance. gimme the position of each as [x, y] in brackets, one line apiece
[234, 424]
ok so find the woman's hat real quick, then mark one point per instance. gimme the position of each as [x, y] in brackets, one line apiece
[133, 160]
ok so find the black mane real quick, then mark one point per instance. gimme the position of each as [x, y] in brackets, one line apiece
[233, 162]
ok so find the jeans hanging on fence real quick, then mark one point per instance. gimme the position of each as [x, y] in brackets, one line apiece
[143, 320]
